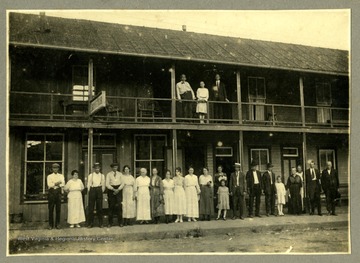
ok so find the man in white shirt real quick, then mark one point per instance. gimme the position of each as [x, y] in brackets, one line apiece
[55, 183]
[185, 92]
[254, 185]
[114, 186]
[96, 187]
[313, 188]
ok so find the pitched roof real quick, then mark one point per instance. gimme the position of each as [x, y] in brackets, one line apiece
[74, 34]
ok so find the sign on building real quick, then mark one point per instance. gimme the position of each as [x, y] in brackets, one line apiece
[97, 103]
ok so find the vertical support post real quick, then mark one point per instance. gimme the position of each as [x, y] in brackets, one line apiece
[238, 91]
[304, 158]
[302, 103]
[51, 106]
[241, 148]
[90, 81]
[174, 149]
[173, 93]
[90, 149]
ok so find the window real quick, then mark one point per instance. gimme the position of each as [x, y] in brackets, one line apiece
[100, 140]
[80, 87]
[223, 151]
[150, 152]
[257, 95]
[290, 152]
[326, 155]
[323, 100]
[42, 150]
[261, 157]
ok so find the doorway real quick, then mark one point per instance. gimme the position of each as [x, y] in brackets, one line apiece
[195, 157]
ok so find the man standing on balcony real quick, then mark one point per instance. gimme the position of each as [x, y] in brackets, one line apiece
[313, 188]
[185, 92]
[96, 186]
[218, 94]
[55, 183]
[269, 189]
[254, 185]
[330, 185]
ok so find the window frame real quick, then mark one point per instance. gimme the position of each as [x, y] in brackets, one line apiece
[334, 157]
[251, 149]
[85, 87]
[44, 162]
[257, 97]
[150, 160]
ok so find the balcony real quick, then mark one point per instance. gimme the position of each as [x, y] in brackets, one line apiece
[54, 107]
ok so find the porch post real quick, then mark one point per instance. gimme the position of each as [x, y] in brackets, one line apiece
[238, 91]
[174, 149]
[301, 85]
[241, 148]
[90, 150]
[173, 93]
[304, 160]
[90, 83]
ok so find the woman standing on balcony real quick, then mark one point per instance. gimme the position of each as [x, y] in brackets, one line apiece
[206, 197]
[74, 186]
[192, 190]
[128, 202]
[143, 197]
[202, 95]
[179, 196]
[157, 199]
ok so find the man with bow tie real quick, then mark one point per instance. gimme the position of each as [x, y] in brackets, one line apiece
[313, 188]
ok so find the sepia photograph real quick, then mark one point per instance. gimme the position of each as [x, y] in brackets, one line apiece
[195, 132]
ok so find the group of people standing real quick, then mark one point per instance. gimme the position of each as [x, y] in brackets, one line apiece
[217, 94]
[148, 198]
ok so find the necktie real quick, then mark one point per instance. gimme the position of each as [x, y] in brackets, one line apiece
[237, 178]
[217, 83]
[270, 177]
[312, 173]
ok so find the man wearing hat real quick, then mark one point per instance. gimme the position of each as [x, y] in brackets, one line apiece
[254, 186]
[114, 186]
[238, 191]
[96, 187]
[55, 183]
[268, 182]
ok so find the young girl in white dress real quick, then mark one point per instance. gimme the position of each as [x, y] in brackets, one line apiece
[168, 185]
[280, 195]
[73, 187]
[223, 199]
[202, 95]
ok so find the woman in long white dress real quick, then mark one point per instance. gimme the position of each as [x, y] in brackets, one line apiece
[128, 202]
[179, 196]
[192, 190]
[202, 95]
[74, 186]
[143, 212]
[168, 185]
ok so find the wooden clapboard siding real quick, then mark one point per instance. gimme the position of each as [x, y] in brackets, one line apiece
[210, 162]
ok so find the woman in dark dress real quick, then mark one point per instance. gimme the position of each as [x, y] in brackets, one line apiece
[156, 193]
[294, 184]
[206, 196]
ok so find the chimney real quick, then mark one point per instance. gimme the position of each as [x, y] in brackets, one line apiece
[44, 27]
[184, 28]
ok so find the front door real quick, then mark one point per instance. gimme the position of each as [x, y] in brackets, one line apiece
[195, 157]
[105, 157]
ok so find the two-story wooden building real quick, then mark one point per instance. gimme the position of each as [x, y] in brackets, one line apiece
[287, 103]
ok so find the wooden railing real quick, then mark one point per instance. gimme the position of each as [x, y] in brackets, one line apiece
[60, 107]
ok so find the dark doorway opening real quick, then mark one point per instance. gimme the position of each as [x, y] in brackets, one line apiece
[195, 157]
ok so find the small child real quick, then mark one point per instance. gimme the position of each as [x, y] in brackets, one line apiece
[223, 199]
[280, 195]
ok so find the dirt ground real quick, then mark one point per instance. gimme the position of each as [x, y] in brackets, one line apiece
[305, 240]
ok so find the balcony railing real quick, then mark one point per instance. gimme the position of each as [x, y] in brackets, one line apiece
[60, 107]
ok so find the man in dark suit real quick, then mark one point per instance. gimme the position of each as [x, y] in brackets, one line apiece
[254, 186]
[217, 93]
[313, 188]
[238, 190]
[268, 182]
[330, 185]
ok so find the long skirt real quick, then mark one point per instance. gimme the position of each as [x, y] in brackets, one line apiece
[201, 107]
[206, 200]
[157, 206]
[179, 201]
[76, 212]
[192, 204]
[143, 204]
[128, 202]
[169, 202]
